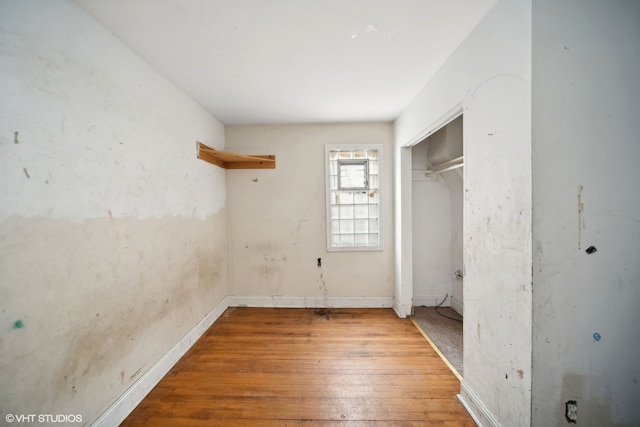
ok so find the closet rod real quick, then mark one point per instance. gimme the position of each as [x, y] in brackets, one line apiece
[446, 166]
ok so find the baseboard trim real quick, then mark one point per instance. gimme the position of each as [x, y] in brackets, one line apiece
[127, 402]
[309, 302]
[456, 304]
[131, 398]
[474, 406]
[431, 300]
[402, 310]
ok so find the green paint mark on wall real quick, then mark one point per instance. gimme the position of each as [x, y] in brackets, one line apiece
[18, 324]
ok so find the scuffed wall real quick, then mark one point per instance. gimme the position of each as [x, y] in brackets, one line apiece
[586, 146]
[112, 233]
[277, 217]
[489, 76]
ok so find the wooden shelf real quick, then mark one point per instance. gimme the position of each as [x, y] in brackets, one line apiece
[228, 160]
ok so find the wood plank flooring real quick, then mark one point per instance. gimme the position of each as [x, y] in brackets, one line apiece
[306, 367]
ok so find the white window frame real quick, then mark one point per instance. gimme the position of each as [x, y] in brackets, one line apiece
[344, 147]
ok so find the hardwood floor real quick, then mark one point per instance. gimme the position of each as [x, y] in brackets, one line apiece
[306, 367]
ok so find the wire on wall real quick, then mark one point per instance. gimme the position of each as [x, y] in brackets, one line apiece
[444, 315]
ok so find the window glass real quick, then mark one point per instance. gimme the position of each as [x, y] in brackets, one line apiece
[353, 197]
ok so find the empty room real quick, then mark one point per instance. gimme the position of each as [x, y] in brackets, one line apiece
[235, 212]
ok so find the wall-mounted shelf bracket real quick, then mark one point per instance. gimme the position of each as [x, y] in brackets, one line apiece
[228, 160]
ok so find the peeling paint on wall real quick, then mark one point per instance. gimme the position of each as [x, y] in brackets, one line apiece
[118, 308]
[107, 266]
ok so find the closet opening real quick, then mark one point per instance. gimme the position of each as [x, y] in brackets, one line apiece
[437, 189]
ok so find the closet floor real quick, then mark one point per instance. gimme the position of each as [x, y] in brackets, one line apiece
[446, 334]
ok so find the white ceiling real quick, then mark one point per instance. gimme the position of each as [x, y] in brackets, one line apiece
[294, 61]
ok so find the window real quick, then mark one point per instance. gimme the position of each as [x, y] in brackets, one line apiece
[353, 197]
[353, 175]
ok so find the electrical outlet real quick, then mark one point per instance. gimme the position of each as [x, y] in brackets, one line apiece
[571, 411]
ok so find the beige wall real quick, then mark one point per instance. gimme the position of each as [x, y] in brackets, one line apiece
[277, 219]
[112, 233]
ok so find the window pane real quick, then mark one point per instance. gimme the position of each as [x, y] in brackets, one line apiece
[352, 175]
[346, 211]
[362, 239]
[373, 181]
[346, 240]
[333, 182]
[361, 211]
[353, 198]
[361, 225]
[345, 197]
[373, 167]
[346, 226]
[373, 211]
[361, 197]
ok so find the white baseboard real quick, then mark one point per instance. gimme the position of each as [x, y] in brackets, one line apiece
[126, 403]
[456, 304]
[430, 300]
[480, 414]
[402, 310]
[309, 302]
[131, 398]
